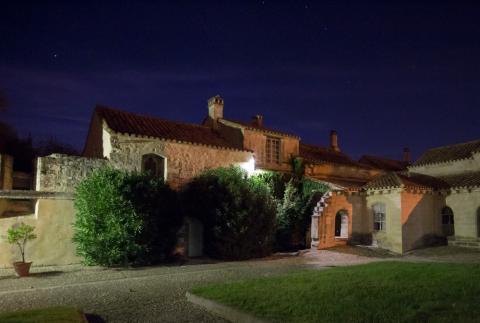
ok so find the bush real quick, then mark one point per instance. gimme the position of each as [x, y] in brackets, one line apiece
[238, 213]
[294, 212]
[125, 218]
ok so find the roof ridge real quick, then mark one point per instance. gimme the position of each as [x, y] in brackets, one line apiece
[149, 116]
[266, 129]
[385, 158]
[456, 145]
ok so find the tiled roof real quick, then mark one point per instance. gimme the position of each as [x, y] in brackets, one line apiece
[448, 153]
[471, 179]
[384, 163]
[258, 128]
[411, 180]
[134, 124]
[317, 154]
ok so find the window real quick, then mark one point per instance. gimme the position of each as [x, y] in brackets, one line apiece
[272, 150]
[154, 164]
[379, 217]
[448, 225]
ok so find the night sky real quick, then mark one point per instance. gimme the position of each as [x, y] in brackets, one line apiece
[384, 76]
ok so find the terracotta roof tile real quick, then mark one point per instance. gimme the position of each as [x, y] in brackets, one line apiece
[471, 179]
[134, 124]
[448, 153]
[405, 179]
[262, 128]
[317, 154]
[384, 163]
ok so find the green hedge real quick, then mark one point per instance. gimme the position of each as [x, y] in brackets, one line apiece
[238, 213]
[125, 218]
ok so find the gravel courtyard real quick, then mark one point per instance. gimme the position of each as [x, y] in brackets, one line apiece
[152, 294]
[157, 294]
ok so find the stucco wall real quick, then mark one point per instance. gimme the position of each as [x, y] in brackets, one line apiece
[449, 168]
[183, 161]
[465, 205]
[391, 237]
[53, 226]
[326, 222]
[421, 218]
[61, 173]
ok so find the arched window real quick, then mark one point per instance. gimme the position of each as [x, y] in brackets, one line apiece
[379, 217]
[154, 165]
[448, 225]
[341, 224]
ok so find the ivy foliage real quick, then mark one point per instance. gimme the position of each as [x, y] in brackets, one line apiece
[125, 218]
[237, 212]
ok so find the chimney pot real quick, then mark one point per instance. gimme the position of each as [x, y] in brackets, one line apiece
[406, 155]
[334, 140]
[257, 120]
[215, 107]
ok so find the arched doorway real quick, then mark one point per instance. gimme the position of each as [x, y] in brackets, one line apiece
[341, 224]
[448, 224]
[478, 222]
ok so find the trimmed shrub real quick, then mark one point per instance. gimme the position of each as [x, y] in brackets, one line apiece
[125, 218]
[238, 213]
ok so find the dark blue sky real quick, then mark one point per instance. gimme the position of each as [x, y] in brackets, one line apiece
[384, 76]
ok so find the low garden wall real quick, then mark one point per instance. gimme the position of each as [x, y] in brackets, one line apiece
[52, 215]
[61, 173]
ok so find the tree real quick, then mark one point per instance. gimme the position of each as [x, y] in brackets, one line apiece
[125, 218]
[237, 212]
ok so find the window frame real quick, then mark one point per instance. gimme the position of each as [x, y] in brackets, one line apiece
[160, 161]
[379, 217]
[273, 147]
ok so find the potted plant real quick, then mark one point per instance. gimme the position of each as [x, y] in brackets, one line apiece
[19, 234]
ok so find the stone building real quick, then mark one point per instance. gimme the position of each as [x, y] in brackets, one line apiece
[388, 203]
[436, 198]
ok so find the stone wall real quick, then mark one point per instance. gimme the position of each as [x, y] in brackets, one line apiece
[61, 173]
[6, 172]
[183, 160]
[256, 141]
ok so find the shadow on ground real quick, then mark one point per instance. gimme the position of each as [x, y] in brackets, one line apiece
[46, 274]
[94, 318]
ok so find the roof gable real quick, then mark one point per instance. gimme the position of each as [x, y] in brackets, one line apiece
[384, 163]
[251, 126]
[448, 153]
[134, 124]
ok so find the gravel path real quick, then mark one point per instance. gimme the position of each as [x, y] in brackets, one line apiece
[151, 294]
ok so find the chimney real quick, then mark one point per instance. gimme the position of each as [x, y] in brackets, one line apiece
[334, 140]
[215, 108]
[257, 121]
[406, 155]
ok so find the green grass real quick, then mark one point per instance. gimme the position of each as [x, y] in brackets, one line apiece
[376, 292]
[45, 315]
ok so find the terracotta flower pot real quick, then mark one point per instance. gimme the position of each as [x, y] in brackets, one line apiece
[22, 268]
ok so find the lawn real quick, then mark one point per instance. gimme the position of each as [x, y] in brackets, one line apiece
[46, 315]
[376, 292]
